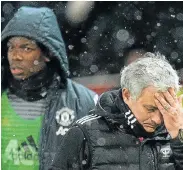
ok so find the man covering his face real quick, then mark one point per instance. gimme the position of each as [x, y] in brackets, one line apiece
[138, 127]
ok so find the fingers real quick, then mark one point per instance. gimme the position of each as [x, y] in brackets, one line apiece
[169, 106]
[180, 100]
[164, 109]
[165, 103]
[170, 99]
[172, 93]
[160, 107]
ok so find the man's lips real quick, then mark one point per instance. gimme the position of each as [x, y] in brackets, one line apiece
[151, 126]
[16, 71]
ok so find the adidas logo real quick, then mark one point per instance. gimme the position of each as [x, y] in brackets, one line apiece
[130, 118]
[87, 118]
[26, 153]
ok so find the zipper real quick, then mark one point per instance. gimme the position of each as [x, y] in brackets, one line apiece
[156, 157]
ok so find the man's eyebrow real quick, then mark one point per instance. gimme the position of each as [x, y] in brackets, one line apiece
[25, 45]
[150, 106]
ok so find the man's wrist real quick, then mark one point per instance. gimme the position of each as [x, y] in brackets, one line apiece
[174, 134]
[180, 135]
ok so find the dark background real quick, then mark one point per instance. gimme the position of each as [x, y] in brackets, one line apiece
[96, 45]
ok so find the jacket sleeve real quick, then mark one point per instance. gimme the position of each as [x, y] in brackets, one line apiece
[68, 156]
[177, 149]
[86, 99]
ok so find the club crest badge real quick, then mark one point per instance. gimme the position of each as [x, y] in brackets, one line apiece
[65, 116]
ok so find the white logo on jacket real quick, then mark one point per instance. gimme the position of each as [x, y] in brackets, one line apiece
[64, 117]
[166, 151]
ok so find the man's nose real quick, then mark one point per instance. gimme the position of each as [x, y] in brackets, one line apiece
[16, 55]
[157, 117]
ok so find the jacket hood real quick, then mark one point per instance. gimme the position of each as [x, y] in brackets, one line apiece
[39, 24]
[116, 112]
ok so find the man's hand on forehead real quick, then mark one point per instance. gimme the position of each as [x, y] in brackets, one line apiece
[171, 109]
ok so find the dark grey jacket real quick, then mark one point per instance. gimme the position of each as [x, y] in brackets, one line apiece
[105, 140]
[70, 99]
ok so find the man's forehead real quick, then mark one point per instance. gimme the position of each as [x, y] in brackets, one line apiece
[149, 91]
[147, 95]
[18, 38]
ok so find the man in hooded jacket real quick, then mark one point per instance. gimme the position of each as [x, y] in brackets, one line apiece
[39, 103]
[138, 127]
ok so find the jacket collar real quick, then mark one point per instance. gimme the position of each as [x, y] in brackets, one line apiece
[117, 113]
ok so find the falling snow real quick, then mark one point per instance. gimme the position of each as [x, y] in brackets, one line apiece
[97, 39]
[36, 62]
[70, 47]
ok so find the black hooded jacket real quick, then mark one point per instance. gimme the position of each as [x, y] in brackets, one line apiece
[40, 24]
[112, 139]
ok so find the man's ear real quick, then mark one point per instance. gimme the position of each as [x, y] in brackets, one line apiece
[126, 95]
